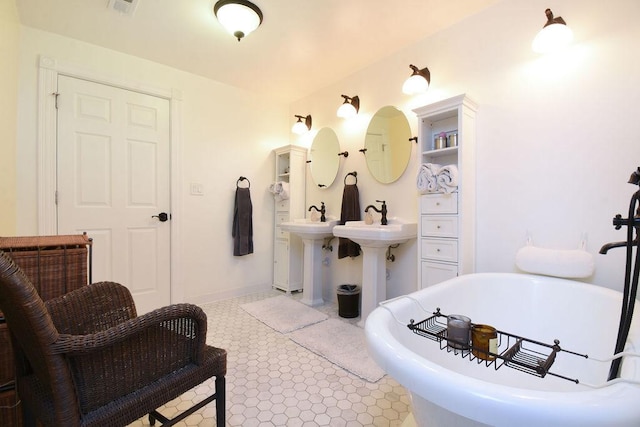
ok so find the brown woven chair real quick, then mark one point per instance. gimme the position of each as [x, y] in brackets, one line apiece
[86, 359]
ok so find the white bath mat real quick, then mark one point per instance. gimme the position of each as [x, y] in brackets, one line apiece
[283, 313]
[342, 344]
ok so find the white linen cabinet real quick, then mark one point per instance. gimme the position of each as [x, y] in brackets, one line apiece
[290, 168]
[446, 221]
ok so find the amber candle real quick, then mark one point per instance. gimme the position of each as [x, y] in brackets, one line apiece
[484, 337]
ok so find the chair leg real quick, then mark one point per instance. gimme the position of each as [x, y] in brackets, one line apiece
[220, 401]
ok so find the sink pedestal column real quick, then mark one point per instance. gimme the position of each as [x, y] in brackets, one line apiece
[312, 279]
[374, 279]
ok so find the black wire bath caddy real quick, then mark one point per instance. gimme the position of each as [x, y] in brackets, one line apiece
[516, 352]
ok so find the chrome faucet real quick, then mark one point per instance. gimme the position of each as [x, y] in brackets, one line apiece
[382, 210]
[321, 210]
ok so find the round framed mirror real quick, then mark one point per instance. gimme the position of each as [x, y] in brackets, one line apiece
[387, 144]
[323, 154]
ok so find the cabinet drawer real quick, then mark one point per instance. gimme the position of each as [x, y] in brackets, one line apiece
[439, 225]
[280, 218]
[436, 272]
[282, 205]
[440, 249]
[439, 203]
[281, 234]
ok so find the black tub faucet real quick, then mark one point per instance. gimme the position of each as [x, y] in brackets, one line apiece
[382, 210]
[321, 210]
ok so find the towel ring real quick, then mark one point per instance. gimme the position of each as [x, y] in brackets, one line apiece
[354, 174]
[243, 178]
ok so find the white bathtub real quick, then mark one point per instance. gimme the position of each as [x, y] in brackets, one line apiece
[450, 391]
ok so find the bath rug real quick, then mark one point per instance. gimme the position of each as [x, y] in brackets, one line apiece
[283, 314]
[342, 344]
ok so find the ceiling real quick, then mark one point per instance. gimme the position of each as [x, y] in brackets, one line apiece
[301, 46]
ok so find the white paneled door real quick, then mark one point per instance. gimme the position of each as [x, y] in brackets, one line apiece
[113, 181]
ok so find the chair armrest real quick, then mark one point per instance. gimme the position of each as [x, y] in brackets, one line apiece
[120, 360]
[184, 320]
[92, 308]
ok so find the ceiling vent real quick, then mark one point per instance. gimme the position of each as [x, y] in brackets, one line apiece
[125, 7]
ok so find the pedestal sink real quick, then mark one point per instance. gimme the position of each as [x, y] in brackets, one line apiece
[374, 239]
[312, 235]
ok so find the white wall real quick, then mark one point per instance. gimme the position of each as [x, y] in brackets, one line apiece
[557, 141]
[225, 133]
[9, 44]
[557, 135]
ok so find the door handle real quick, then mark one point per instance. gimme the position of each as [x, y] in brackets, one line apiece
[162, 216]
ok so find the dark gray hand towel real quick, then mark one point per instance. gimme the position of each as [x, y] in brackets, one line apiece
[242, 231]
[350, 212]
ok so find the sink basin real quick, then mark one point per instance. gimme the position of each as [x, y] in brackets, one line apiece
[377, 235]
[307, 229]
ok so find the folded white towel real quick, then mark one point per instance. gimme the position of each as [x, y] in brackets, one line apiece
[283, 191]
[427, 178]
[567, 263]
[447, 178]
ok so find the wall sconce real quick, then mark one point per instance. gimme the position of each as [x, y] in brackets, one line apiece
[554, 35]
[418, 81]
[301, 127]
[239, 17]
[350, 107]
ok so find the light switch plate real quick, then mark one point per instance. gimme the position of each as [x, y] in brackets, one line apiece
[197, 189]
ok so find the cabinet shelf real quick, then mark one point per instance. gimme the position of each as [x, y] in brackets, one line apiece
[441, 152]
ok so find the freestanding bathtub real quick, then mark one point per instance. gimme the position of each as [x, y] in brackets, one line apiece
[448, 390]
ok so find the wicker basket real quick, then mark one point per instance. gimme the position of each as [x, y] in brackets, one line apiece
[55, 264]
[10, 411]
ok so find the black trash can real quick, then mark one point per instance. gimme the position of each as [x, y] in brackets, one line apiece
[348, 301]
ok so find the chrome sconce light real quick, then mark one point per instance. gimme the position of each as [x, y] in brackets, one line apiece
[418, 81]
[239, 17]
[554, 35]
[350, 107]
[301, 127]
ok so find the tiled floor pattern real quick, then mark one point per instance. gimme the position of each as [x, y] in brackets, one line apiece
[272, 381]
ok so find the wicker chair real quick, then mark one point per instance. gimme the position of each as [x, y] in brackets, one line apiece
[86, 359]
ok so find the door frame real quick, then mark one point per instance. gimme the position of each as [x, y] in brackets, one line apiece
[48, 71]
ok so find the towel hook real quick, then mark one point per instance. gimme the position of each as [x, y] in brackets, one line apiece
[354, 174]
[344, 153]
[243, 178]
[414, 139]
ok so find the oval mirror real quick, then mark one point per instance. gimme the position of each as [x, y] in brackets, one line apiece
[323, 154]
[387, 144]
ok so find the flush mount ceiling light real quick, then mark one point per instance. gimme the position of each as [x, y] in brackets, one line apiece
[300, 127]
[418, 81]
[554, 35]
[239, 17]
[350, 107]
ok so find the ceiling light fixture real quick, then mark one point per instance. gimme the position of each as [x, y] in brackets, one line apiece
[418, 81]
[554, 35]
[300, 127]
[350, 107]
[239, 17]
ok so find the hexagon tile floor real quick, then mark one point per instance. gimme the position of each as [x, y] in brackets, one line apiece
[272, 381]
